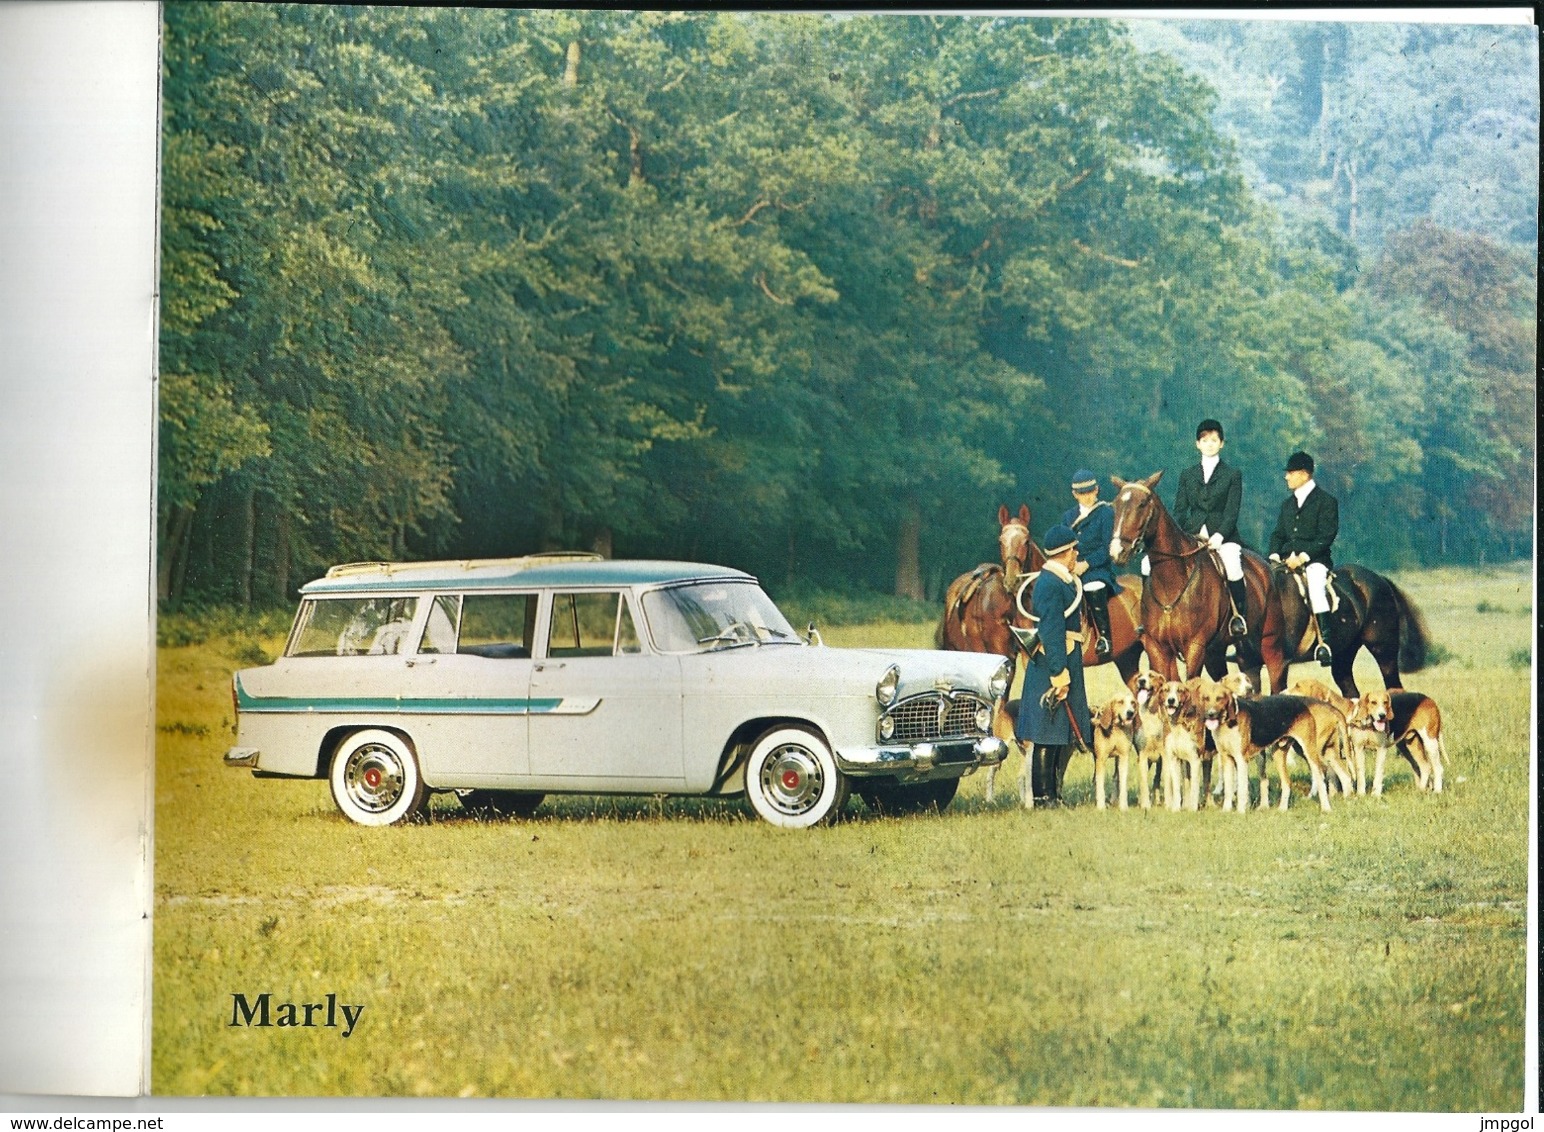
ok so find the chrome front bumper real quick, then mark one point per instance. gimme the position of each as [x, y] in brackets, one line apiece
[952, 756]
[241, 757]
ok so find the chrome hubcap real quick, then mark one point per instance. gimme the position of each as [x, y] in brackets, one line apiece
[374, 778]
[791, 780]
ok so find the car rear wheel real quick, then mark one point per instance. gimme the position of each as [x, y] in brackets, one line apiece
[375, 779]
[499, 803]
[792, 781]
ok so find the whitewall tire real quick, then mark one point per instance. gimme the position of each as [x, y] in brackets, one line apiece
[792, 781]
[375, 779]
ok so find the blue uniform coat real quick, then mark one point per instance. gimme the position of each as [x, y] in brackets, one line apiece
[1094, 535]
[1048, 604]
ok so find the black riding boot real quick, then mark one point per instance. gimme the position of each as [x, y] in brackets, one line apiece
[1322, 653]
[1063, 757]
[1099, 610]
[1044, 781]
[1236, 625]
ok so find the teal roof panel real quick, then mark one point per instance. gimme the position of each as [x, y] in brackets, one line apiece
[493, 574]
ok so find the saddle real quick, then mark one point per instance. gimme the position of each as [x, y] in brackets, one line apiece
[1336, 595]
[1332, 588]
[977, 576]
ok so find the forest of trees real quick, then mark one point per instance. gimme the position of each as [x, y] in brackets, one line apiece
[805, 294]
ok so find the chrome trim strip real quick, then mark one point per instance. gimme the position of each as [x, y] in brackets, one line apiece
[868, 762]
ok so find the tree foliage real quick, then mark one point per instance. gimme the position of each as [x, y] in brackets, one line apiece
[805, 294]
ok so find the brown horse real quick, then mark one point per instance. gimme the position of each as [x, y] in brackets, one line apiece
[1373, 613]
[1185, 606]
[980, 606]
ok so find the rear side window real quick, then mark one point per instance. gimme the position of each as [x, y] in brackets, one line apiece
[591, 624]
[497, 625]
[371, 626]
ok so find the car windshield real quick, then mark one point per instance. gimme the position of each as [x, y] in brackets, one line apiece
[714, 615]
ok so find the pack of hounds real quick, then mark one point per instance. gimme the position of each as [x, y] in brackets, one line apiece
[1173, 732]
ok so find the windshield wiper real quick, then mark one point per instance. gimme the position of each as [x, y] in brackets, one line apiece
[728, 640]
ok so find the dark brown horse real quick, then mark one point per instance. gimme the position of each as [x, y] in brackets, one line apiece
[980, 606]
[1185, 606]
[1373, 613]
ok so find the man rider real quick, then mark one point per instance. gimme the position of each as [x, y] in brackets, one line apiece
[1093, 520]
[1306, 528]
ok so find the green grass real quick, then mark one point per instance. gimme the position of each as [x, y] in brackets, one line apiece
[1373, 958]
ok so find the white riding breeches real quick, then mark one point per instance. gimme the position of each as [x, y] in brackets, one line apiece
[1147, 567]
[1094, 585]
[1318, 575]
[1232, 556]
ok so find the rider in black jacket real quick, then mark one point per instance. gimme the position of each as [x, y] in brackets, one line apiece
[1305, 530]
[1207, 506]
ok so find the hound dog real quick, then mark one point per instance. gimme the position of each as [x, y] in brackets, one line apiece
[1346, 759]
[1411, 722]
[1220, 718]
[1115, 729]
[1268, 726]
[1238, 684]
[1147, 689]
[1184, 740]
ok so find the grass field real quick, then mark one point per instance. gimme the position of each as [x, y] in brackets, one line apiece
[1372, 958]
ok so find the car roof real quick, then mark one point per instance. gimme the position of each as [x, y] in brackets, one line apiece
[557, 569]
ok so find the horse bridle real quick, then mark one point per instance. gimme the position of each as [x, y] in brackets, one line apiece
[1019, 555]
[1190, 574]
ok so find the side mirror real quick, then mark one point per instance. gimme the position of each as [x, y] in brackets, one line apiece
[812, 635]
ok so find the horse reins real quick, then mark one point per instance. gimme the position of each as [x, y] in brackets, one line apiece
[1190, 575]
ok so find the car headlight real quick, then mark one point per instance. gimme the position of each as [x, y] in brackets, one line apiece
[885, 690]
[1001, 679]
[886, 727]
[983, 719]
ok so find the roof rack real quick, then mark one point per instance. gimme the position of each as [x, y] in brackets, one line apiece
[523, 562]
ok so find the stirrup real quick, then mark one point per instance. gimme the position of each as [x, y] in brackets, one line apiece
[1322, 654]
[1237, 626]
[1102, 649]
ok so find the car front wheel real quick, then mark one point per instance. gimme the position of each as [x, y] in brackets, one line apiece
[792, 781]
[375, 779]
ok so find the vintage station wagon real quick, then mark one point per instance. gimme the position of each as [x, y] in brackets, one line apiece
[506, 680]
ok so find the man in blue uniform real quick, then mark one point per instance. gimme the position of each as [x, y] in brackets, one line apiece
[1093, 520]
[1053, 710]
[1306, 527]
[1207, 506]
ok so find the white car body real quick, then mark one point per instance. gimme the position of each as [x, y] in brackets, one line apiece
[639, 705]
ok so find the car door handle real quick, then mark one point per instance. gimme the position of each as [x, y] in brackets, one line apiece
[546, 664]
[415, 661]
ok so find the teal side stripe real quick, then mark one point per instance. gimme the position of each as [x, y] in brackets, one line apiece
[490, 705]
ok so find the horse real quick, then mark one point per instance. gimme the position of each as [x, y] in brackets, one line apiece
[1373, 613]
[979, 606]
[1185, 604]
[982, 605]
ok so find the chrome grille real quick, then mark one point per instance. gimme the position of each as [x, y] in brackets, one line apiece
[933, 715]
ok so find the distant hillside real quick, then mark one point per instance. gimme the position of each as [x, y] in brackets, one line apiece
[1369, 127]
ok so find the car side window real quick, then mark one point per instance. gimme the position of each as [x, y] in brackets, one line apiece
[591, 624]
[444, 622]
[499, 626]
[375, 626]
